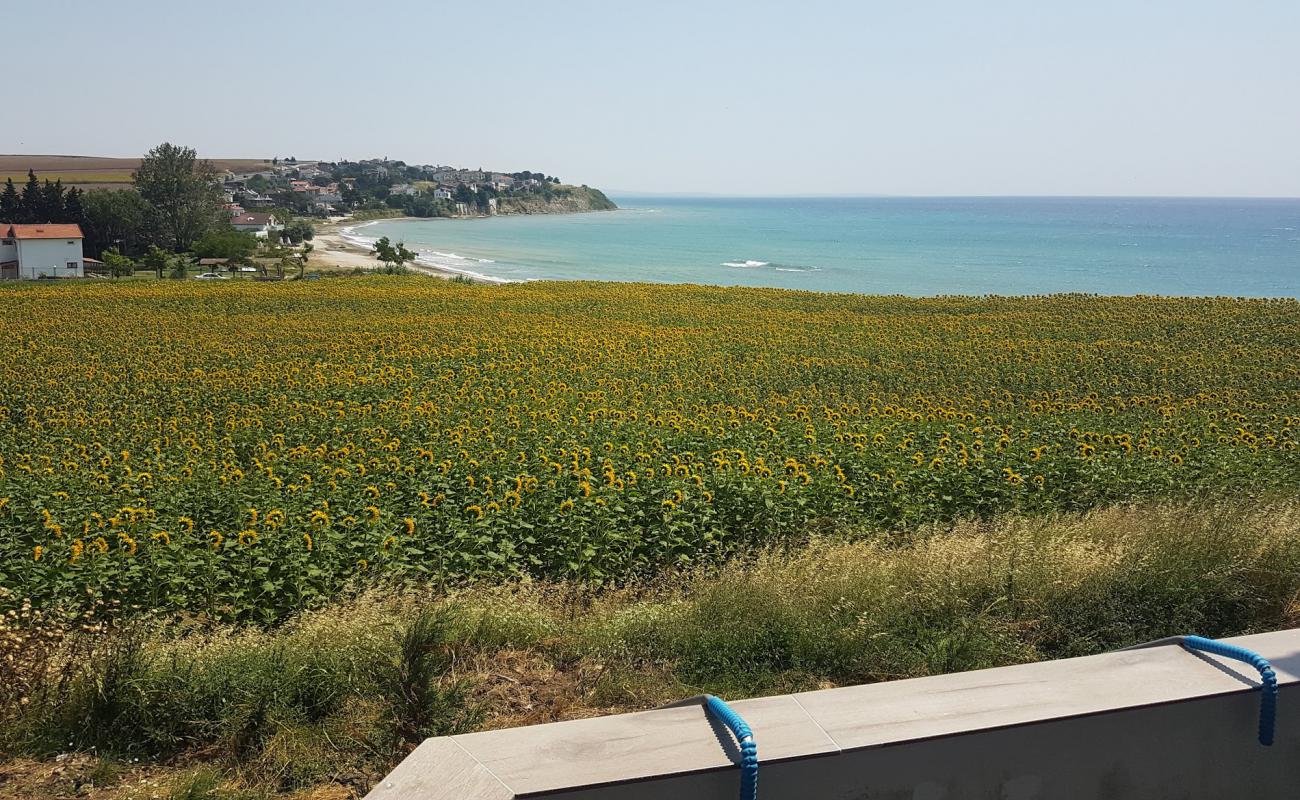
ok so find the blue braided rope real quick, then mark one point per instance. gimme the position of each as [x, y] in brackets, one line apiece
[1267, 678]
[745, 738]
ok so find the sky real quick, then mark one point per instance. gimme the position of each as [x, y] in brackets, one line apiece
[927, 97]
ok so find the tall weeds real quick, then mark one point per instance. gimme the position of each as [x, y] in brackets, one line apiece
[346, 692]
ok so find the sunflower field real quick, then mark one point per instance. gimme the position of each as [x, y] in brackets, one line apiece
[246, 450]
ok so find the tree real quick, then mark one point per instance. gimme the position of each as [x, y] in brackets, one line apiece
[298, 231]
[395, 257]
[182, 191]
[32, 200]
[10, 203]
[158, 260]
[302, 258]
[115, 217]
[51, 202]
[226, 243]
[72, 209]
[118, 264]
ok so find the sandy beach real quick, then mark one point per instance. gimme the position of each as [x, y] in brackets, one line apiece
[333, 250]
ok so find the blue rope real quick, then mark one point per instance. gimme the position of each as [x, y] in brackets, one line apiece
[1268, 679]
[745, 738]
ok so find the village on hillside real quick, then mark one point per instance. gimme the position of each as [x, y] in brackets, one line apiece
[255, 217]
[321, 188]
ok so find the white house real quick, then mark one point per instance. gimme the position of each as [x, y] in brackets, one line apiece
[36, 251]
[260, 225]
[441, 194]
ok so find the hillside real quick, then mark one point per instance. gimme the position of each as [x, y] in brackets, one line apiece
[89, 172]
[564, 200]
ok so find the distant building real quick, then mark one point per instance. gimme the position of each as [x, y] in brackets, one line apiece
[441, 194]
[259, 224]
[405, 189]
[41, 251]
[253, 199]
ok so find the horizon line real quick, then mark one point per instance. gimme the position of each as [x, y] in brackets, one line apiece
[895, 196]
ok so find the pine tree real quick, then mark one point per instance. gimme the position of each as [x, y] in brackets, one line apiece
[32, 200]
[51, 202]
[10, 203]
[72, 210]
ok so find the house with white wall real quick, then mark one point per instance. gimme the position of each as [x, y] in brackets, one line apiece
[258, 224]
[41, 251]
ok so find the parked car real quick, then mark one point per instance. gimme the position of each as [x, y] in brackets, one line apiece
[209, 276]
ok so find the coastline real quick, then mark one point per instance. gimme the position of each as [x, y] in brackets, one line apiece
[334, 248]
[340, 244]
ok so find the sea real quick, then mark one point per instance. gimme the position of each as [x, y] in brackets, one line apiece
[907, 246]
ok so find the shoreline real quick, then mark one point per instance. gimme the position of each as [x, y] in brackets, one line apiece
[336, 249]
[332, 247]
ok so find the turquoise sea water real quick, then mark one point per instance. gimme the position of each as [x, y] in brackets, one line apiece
[913, 246]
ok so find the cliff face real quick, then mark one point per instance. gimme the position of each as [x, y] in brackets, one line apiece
[562, 200]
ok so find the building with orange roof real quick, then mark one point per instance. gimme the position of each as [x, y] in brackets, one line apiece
[41, 251]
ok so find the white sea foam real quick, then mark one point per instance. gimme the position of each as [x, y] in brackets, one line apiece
[446, 262]
[442, 264]
[745, 264]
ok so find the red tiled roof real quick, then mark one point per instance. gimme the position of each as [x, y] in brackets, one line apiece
[42, 232]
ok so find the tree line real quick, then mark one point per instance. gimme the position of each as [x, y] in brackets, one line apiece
[177, 203]
[47, 202]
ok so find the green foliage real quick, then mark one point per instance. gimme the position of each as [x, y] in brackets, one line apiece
[351, 687]
[298, 231]
[421, 706]
[10, 203]
[226, 242]
[271, 446]
[363, 215]
[182, 192]
[116, 218]
[119, 266]
[41, 202]
[395, 257]
[160, 261]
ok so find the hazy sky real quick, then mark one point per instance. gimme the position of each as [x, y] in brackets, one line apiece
[1147, 97]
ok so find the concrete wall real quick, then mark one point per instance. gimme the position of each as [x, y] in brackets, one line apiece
[37, 257]
[1158, 723]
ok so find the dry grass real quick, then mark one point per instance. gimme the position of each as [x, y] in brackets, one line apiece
[92, 172]
[76, 177]
[19, 164]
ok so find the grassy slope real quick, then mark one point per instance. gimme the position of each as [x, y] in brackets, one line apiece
[326, 700]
